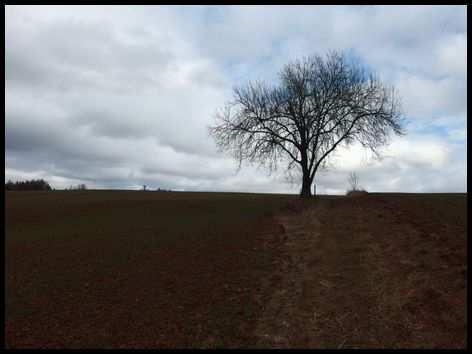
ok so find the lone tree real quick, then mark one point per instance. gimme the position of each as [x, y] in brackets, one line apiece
[318, 104]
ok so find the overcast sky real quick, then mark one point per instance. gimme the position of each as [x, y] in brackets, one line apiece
[121, 96]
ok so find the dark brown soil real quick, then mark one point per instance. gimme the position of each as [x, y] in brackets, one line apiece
[212, 270]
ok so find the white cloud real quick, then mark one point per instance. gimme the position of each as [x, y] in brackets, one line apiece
[420, 150]
[451, 55]
[458, 134]
[424, 97]
[121, 96]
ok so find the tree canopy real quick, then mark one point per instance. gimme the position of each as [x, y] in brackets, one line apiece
[318, 104]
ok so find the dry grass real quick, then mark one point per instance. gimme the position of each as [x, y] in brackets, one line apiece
[384, 271]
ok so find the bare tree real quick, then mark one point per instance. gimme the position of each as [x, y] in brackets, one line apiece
[353, 181]
[318, 104]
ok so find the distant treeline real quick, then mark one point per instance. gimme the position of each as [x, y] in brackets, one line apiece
[42, 185]
[33, 185]
[145, 188]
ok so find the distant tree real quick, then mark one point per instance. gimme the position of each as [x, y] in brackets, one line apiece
[319, 104]
[353, 181]
[78, 187]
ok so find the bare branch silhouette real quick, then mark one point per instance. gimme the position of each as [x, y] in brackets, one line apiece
[353, 181]
[319, 104]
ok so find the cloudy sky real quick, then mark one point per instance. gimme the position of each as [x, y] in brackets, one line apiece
[118, 97]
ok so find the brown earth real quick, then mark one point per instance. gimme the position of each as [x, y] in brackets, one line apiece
[371, 272]
[381, 271]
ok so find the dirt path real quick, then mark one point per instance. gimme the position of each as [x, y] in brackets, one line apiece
[356, 273]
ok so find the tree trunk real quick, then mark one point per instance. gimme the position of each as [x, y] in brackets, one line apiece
[306, 182]
[306, 187]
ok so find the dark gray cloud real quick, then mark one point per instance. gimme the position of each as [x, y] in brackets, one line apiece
[120, 96]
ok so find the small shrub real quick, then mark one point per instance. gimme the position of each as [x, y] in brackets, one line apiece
[356, 193]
